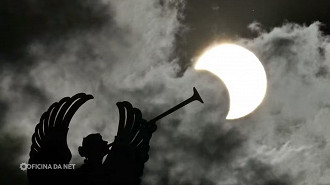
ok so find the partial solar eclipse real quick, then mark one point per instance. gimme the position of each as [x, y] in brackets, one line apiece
[242, 73]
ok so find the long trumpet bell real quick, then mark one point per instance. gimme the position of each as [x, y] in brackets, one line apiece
[194, 97]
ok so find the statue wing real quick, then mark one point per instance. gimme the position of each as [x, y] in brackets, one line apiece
[129, 152]
[49, 141]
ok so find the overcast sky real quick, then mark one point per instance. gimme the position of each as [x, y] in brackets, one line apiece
[143, 52]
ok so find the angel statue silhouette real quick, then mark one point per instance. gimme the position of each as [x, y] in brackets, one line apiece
[118, 163]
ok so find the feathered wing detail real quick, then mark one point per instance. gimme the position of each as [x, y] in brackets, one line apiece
[49, 144]
[129, 152]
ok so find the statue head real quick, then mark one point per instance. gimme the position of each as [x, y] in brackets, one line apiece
[93, 148]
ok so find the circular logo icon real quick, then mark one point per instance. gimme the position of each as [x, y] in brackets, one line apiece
[23, 166]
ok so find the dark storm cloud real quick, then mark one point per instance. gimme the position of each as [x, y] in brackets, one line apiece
[24, 97]
[23, 22]
[4, 109]
[258, 173]
[10, 151]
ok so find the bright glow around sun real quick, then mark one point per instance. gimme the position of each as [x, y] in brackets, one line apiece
[241, 72]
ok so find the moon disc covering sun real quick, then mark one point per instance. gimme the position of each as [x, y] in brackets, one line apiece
[242, 73]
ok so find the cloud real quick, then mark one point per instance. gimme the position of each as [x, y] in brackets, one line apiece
[284, 142]
[225, 21]
[133, 58]
[259, 173]
[23, 23]
[10, 154]
[113, 61]
[293, 56]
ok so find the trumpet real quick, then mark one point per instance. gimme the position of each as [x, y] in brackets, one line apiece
[194, 97]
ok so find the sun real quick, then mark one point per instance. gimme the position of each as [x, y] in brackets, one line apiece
[242, 73]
